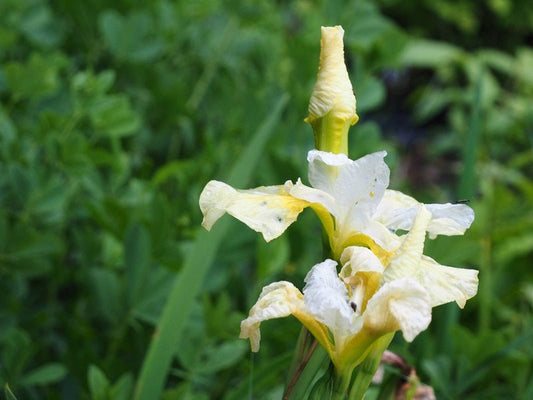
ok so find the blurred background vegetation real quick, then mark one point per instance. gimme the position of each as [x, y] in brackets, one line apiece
[113, 116]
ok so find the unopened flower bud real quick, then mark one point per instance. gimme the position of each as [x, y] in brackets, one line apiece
[332, 104]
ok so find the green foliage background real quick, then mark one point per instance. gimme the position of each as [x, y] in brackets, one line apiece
[114, 115]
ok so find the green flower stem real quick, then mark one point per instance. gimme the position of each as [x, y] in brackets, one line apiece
[341, 386]
[365, 372]
[331, 133]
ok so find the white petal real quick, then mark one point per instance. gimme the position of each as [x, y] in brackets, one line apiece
[399, 305]
[359, 259]
[363, 180]
[445, 284]
[279, 299]
[357, 186]
[398, 211]
[449, 219]
[386, 239]
[268, 209]
[323, 169]
[312, 195]
[326, 298]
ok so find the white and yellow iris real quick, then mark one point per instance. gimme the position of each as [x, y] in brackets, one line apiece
[348, 311]
[350, 198]
[385, 283]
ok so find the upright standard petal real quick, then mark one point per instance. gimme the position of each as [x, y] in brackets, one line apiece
[357, 186]
[268, 209]
[356, 259]
[326, 298]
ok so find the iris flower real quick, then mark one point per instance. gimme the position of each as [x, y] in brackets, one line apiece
[349, 311]
[350, 198]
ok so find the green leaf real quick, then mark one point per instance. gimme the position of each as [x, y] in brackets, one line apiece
[40, 27]
[370, 94]
[113, 116]
[221, 357]
[156, 289]
[272, 257]
[36, 78]
[264, 378]
[8, 131]
[48, 373]
[106, 290]
[48, 203]
[16, 351]
[87, 85]
[123, 388]
[428, 53]
[130, 38]
[98, 383]
[137, 260]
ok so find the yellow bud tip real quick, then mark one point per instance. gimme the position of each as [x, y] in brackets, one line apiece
[333, 90]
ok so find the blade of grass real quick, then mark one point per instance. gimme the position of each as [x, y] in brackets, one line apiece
[189, 282]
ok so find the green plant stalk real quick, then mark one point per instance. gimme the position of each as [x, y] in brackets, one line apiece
[331, 133]
[308, 376]
[366, 371]
[188, 284]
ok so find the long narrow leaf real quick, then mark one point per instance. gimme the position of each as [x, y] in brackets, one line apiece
[188, 284]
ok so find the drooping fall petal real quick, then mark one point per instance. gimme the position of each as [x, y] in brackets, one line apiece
[277, 300]
[267, 209]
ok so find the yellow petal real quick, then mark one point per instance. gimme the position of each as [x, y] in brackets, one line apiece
[362, 271]
[268, 209]
[406, 260]
[356, 259]
[444, 284]
[277, 300]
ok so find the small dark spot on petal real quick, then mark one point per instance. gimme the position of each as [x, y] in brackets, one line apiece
[354, 306]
